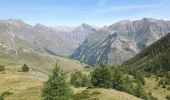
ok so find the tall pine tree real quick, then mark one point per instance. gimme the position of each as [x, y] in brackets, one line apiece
[56, 88]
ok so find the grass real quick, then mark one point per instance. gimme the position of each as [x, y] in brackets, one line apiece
[102, 94]
[27, 85]
[24, 86]
[152, 86]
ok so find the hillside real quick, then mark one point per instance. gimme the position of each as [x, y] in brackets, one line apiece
[121, 41]
[154, 63]
[155, 59]
[28, 85]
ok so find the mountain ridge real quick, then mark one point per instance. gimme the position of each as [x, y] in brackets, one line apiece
[133, 36]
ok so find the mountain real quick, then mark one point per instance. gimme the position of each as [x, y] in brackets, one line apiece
[80, 33]
[16, 34]
[155, 59]
[64, 29]
[121, 41]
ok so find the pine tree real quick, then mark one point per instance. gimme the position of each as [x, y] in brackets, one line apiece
[102, 77]
[56, 88]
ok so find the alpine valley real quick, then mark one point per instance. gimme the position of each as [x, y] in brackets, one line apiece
[128, 60]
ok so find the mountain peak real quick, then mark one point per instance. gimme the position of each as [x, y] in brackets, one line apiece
[148, 20]
[85, 26]
[38, 25]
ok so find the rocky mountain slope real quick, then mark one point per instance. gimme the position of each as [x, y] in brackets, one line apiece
[121, 41]
[16, 33]
[77, 34]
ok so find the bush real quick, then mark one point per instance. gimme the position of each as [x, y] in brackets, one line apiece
[118, 79]
[164, 86]
[139, 78]
[168, 88]
[6, 93]
[1, 97]
[168, 97]
[150, 93]
[79, 80]
[81, 96]
[140, 93]
[25, 68]
[153, 98]
[102, 77]
[2, 68]
[56, 88]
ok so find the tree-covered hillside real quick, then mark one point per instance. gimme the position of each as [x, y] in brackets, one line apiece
[155, 59]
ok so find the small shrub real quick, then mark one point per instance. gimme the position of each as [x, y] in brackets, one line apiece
[156, 88]
[78, 79]
[95, 93]
[168, 88]
[164, 86]
[150, 93]
[81, 96]
[2, 68]
[6, 93]
[153, 98]
[1, 97]
[25, 68]
[168, 97]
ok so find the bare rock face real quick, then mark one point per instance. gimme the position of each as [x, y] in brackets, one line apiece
[120, 41]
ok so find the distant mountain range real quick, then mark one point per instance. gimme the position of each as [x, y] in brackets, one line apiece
[15, 34]
[121, 41]
[113, 44]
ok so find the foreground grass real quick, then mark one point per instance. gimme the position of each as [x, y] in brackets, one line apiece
[24, 86]
[27, 86]
[103, 94]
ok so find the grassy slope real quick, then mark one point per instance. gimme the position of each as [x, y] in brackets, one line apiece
[152, 86]
[106, 94]
[27, 86]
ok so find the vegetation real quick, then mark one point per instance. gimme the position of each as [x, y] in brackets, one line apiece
[4, 94]
[153, 60]
[25, 68]
[56, 88]
[168, 97]
[117, 78]
[2, 68]
[85, 94]
[79, 80]
[102, 77]
[139, 78]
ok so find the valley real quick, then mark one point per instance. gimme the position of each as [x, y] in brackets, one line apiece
[131, 47]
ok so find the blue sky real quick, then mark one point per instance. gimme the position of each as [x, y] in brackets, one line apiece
[75, 12]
